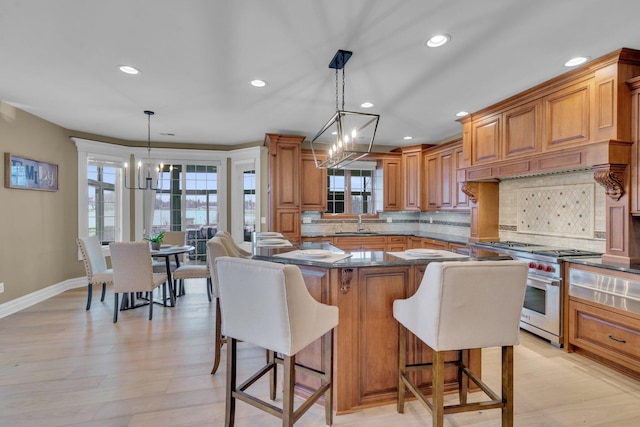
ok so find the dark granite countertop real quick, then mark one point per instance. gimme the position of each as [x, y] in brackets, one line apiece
[597, 262]
[357, 258]
[436, 236]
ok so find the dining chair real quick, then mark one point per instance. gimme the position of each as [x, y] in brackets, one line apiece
[232, 248]
[191, 271]
[215, 250]
[95, 266]
[460, 306]
[176, 238]
[133, 273]
[268, 305]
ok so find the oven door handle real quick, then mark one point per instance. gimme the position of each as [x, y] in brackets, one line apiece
[531, 281]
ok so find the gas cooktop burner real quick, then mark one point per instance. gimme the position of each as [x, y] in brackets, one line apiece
[508, 244]
[564, 252]
[532, 248]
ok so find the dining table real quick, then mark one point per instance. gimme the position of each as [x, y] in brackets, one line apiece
[166, 252]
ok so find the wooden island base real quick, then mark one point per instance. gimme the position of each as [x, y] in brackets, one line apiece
[365, 351]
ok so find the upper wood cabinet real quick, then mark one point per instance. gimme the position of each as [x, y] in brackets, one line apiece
[411, 166]
[556, 125]
[522, 130]
[634, 84]
[283, 184]
[567, 118]
[440, 170]
[313, 196]
[392, 185]
[485, 145]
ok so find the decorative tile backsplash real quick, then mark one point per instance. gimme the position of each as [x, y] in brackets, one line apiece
[565, 210]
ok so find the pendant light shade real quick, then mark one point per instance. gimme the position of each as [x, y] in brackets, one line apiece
[348, 135]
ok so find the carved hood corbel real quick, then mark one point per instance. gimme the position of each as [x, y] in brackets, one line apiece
[611, 177]
[471, 190]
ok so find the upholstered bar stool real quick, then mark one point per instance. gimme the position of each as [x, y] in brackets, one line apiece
[268, 304]
[215, 250]
[462, 306]
[231, 246]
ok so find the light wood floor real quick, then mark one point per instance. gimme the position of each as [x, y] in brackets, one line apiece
[63, 366]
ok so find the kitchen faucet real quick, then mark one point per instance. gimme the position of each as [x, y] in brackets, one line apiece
[359, 228]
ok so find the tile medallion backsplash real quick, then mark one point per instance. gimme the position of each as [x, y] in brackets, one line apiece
[566, 210]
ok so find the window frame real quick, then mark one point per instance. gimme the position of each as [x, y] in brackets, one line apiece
[347, 199]
[109, 153]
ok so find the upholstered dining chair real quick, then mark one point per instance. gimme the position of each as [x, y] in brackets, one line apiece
[95, 266]
[170, 238]
[215, 250]
[230, 244]
[191, 271]
[267, 304]
[133, 273]
[461, 306]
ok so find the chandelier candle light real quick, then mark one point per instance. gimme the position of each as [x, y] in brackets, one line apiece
[147, 172]
[354, 131]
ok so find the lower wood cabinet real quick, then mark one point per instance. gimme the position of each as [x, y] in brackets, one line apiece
[366, 339]
[607, 335]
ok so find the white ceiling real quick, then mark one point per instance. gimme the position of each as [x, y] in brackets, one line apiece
[59, 61]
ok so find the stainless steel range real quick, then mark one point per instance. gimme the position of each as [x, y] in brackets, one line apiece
[542, 310]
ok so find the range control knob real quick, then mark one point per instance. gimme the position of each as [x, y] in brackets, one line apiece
[539, 267]
[548, 268]
[532, 265]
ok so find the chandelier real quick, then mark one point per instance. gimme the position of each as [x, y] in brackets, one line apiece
[349, 133]
[148, 174]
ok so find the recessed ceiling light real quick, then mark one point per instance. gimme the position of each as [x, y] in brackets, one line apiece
[366, 105]
[578, 60]
[129, 69]
[258, 83]
[438, 40]
[407, 138]
[462, 113]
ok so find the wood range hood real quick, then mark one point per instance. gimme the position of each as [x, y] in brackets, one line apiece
[583, 119]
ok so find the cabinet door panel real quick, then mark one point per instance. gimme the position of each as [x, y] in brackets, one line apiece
[411, 165]
[377, 339]
[446, 179]
[392, 189]
[486, 140]
[567, 116]
[288, 176]
[314, 184]
[432, 174]
[522, 130]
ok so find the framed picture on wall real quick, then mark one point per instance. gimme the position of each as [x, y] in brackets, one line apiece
[29, 174]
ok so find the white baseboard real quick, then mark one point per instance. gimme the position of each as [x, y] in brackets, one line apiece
[28, 300]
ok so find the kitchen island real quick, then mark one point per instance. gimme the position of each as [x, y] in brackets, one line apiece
[363, 286]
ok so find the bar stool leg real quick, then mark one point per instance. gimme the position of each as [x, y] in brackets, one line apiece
[402, 364]
[287, 400]
[273, 374]
[463, 381]
[437, 380]
[230, 409]
[507, 386]
[328, 377]
[218, 340]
